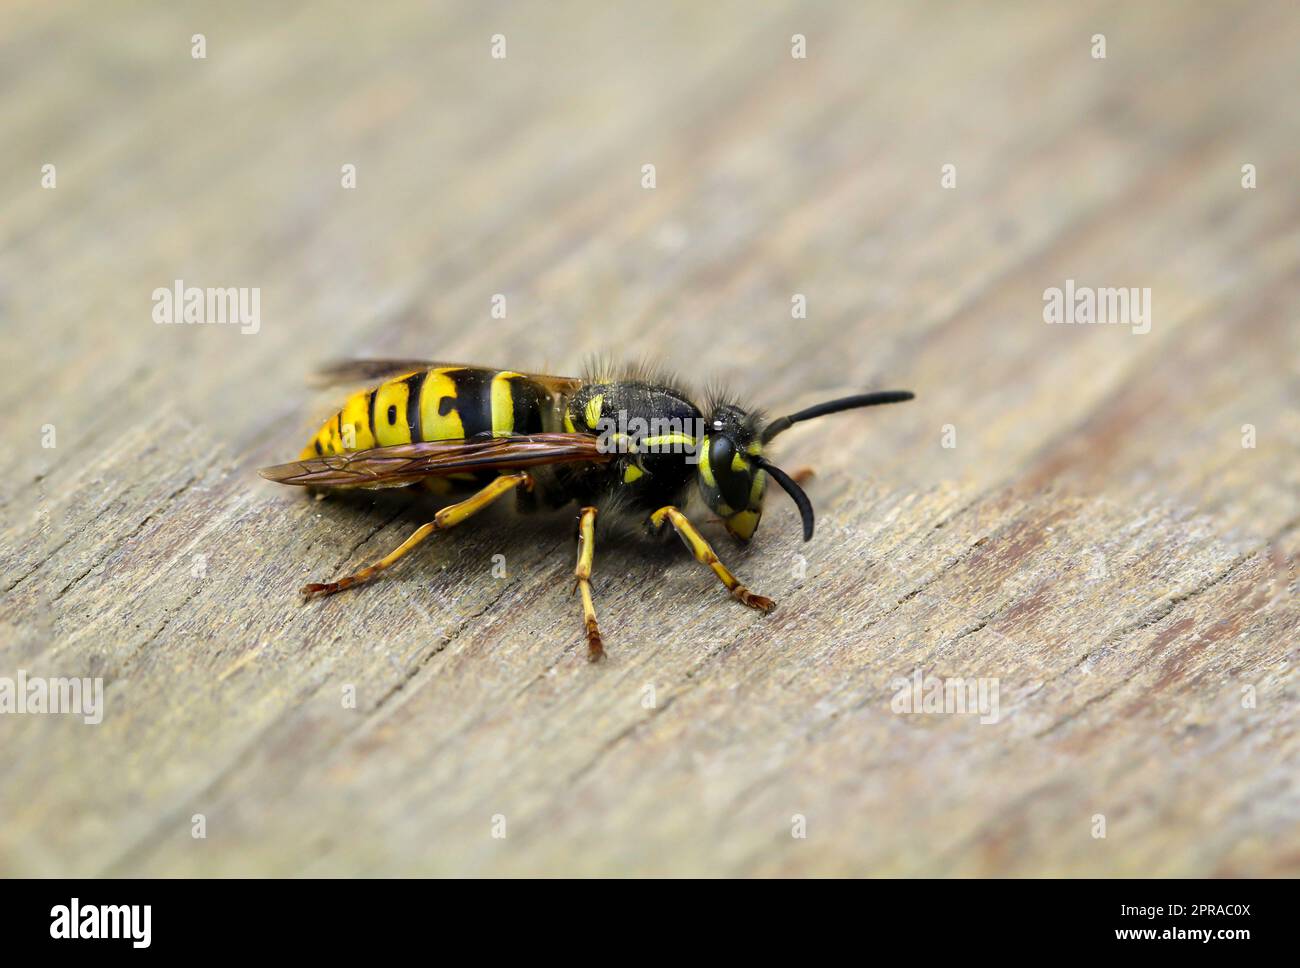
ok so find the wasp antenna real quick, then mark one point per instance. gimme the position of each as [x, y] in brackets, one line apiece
[791, 487]
[781, 424]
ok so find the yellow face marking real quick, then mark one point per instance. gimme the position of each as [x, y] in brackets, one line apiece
[356, 422]
[438, 386]
[706, 469]
[592, 412]
[503, 404]
[390, 397]
[633, 473]
[754, 449]
[742, 524]
[738, 463]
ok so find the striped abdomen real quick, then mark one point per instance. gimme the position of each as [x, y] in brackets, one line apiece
[440, 403]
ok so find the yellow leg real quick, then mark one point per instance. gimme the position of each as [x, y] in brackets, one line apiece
[449, 516]
[586, 553]
[705, 556]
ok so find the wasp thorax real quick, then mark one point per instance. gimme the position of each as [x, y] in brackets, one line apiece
[652, 429]
[730, 480]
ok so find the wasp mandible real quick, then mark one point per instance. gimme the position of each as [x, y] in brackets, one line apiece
[619, 444]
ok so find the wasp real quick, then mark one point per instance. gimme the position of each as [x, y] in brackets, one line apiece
[625, 445]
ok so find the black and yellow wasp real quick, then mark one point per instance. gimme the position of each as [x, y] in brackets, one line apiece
[619, 445]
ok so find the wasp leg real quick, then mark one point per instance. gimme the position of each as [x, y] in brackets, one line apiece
[705, 556]
[587, 552]
[447, 517]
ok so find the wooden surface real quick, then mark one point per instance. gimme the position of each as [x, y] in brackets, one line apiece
[1098, 540]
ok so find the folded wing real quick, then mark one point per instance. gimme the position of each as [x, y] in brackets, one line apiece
[402, 464]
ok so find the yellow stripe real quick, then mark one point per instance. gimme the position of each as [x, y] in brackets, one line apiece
[392, 394]
[663, 439]
[503, 404]
[322, 439]
[631, 474]
[438, 386]
[592, 412]
[706, 469]
[356, 414]
[335, 440]
[568, 423]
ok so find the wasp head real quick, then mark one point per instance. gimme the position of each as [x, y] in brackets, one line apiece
[730, 474]
[733, 472]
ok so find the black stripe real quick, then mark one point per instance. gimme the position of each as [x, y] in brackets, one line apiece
[474, 400]
[414, 384]
[370, 407]
[526, 398]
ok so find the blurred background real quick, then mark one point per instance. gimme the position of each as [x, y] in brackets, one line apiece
[802, 200]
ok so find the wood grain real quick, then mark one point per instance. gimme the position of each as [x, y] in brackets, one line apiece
[1098, 541]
